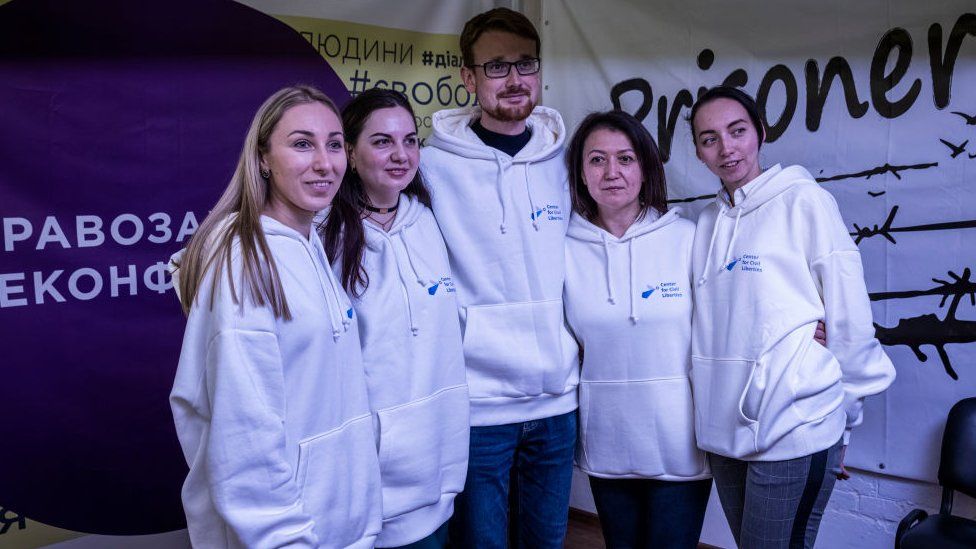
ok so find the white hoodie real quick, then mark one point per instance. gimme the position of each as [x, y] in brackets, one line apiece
[272, 414]
[766, 271]
[628, 300]
[414, 373]
[504, 221]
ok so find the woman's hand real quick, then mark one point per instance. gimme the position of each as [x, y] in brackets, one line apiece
[842, 473]
[820, 334]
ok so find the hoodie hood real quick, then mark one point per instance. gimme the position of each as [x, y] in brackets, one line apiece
[585, 231]
[770, 184]
[340, 308]
[453, 133]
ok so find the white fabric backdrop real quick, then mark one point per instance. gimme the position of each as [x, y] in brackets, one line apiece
[589, 48]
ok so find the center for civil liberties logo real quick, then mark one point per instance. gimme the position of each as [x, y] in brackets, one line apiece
[552, 212]
[446, 282]
[746, 262]
[664, 290]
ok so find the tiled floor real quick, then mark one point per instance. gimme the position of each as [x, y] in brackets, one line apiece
[583, 531]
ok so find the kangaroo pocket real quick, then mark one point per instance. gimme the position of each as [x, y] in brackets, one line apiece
[423, 450]
[339, 481]
[726, 405]
[518, 349]
[816, 381]
[643, 428]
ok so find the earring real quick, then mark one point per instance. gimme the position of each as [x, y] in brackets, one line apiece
[265, 174]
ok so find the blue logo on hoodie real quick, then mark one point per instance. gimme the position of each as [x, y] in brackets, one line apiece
[667, 290]
[552, 212]
[349, 312]
[731, 265]
[445, 282]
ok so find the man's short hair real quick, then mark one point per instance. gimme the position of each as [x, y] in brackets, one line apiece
[498, 19]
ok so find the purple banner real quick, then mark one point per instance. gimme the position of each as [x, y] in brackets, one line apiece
[122, 122]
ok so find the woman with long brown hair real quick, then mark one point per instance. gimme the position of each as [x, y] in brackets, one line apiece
[382, 238]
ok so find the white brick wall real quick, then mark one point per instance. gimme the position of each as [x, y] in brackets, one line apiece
[865, 510]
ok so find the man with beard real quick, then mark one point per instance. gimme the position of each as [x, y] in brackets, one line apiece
[499, 190]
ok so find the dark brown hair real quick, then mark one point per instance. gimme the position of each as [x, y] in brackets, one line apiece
[498, 19]
[653, 192]
[737, 95]
[343, 235]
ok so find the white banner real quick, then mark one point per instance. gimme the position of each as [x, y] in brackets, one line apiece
[878, 100]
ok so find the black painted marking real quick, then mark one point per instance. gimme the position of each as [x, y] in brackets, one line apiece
[692, 199]
[929, 329]
[956, 149]
[970, 120]
[885, 230]
[880, 170]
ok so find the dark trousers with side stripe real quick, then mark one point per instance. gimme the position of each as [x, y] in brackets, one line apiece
[776, 504]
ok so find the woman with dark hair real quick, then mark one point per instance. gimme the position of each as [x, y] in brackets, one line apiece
[269, 398]
[772, 257]
[628, 302]
[384, 242]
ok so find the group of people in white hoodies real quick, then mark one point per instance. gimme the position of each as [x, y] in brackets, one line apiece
[703, 345]
[365, 361]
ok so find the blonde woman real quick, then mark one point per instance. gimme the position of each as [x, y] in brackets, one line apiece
[269, 398]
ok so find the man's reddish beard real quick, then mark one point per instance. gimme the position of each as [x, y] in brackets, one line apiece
[511, 114]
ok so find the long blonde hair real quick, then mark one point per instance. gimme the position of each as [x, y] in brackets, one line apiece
[246, 196]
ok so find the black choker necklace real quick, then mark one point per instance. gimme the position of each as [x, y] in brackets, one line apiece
[373, 209]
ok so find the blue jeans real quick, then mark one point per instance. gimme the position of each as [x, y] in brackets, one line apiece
[651, 514]
[776, 504]
[528, 466]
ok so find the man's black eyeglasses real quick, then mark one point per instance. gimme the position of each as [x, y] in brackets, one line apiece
[500, 69]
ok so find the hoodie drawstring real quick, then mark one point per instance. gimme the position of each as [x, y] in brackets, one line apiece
[340, 321]
[728, 250]
[711, 245]
[633, 277]
[498, 187]
[500, 162]
[606, 253]
[528, 191]
[414, 329]
[404, 277]
[708, 255]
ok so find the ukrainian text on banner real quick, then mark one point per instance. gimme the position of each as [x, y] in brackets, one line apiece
[878, 100]
[418, 56]
[123, 123]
